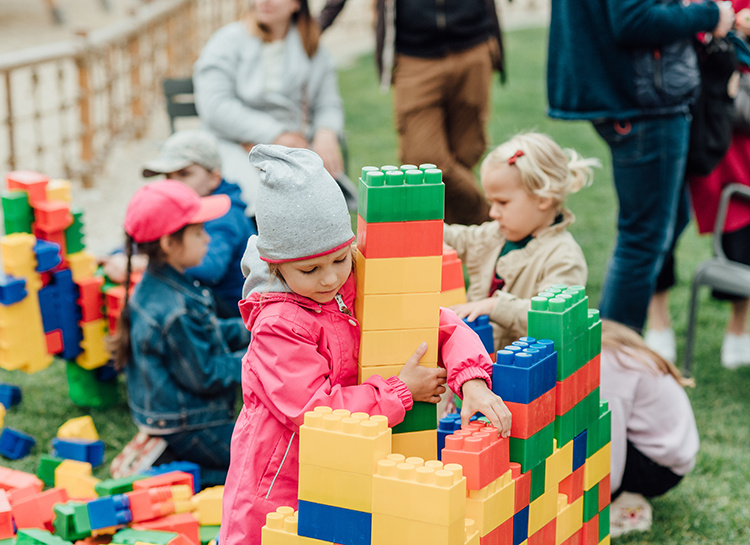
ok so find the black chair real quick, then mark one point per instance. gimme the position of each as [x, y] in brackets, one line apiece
[178, 93]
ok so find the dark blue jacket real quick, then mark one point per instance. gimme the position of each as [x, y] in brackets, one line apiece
[220, 269]
[185, 369]
[620, 59]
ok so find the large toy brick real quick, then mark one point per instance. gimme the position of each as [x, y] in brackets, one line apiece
[569, 519]
[49, 306]
[481, 452]
[399, 238]
[522, 375]
[597, 467]
[90, 298]
[453, 272]
[572, 485]
[413, 195]
[15, 444]
[521, 526]
[82, 265]
[502, 535]
[114, 299]
[395, 346]
[36, 511]
[109, 487]
[59, 190]
[83, 450]
[210, 533]
[481, 326]
[69, 314]
[446, 426]
[12, 290]
[165, 479]
[530, 418]
[74, 233]
[85, 390]
[595, 332]
[183, 523]
[64, 522]
[33, 183]
[590, 503]
[339, 440]
[604, 525]
[281, 529]
[32, 536]
[19, 483]
[52, 215]
[336, 488]
[18, 258]
[605, 495]
[180, 465]
[385, 371]
[400, 531]
[10, 395]
[56, 237]
[109, 511]
[590, 532]
[587, 411]
[570, 391]
[532, 451]
[17, 213]
[544, 536]
[579, 449]
[75, 477]
[453, 297]
[46, 469]
[150, 503]
[207, 505]
[592, 376]
[129, 536]
[54, 341]
[6, 517]
[399, 311]
[422, 444]
[522, 483]
[398, 274]
[492, 505]
[542, 510]
[95, 353]
[422, 416]
[81, 427]
[559, 465]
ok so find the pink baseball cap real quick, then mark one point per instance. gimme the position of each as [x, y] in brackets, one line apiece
[164, 207]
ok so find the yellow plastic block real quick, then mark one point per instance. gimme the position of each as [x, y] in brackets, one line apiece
[384, 371]
[597, 466]
[281, 529]
[17, 252]
[2, 415]
[392, 346]
[569, 518]
[429, 493]
[348, 442]
[456, 296]
[542, 510]
[75, 477]
[95, 353]
[400, 311]
[492, 505]
[22, 342]
[399, 274]
[82, 265]
[59, 190]
[390, 530]
[422, 444]
[558, 465]
[78, 428]
[182, 495]
[471, 534]
[207, 506]
[328, 486]
[605, 541]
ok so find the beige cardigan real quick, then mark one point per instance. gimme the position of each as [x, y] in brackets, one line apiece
[552, 257]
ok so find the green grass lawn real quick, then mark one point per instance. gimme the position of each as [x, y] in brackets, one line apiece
[711, 505]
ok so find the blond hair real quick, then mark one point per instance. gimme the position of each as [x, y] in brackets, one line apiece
[546, 169]
[617, 337]
[307, 26]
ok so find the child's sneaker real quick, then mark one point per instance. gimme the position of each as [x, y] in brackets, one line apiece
[735, 350]
[662, 342]
[629, 513]
[138, 455]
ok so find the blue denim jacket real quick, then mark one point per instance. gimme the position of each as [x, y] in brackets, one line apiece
[186, 362]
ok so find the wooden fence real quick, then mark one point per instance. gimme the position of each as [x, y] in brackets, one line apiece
[64, 105]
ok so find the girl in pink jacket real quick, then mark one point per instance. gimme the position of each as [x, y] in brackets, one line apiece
[305, 341]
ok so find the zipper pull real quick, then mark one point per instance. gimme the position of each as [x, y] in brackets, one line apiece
[342, 306]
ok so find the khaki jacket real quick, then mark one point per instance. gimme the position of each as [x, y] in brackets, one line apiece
[552, 257]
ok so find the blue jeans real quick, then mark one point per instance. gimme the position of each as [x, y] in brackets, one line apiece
[648, 160]
[207, 447]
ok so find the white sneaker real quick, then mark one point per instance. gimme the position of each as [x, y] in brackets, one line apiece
[629, 513]
[662, 342]
[735, 350]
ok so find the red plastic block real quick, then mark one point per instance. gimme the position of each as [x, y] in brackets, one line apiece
[590, 532]
[502, 535]
[482, 453]
[184, 524]
[151, 503]
[54, 341]
[522, 487]
[33, 183]
[605, 492]
[530, 418]
[6, 517]
[52, 215]
[58, 237]
[572, 485]
[545, 536]
[593, 374]
[453, 272]
[90, 298]
[575, 539]
[19, 484]
[400, 239]
[37, 511]
[165, 479]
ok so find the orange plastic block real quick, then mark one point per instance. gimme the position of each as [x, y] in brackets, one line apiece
[165, 479]
[453, 272]
[605, 493]
[52, 215]
[54, 341]
[58, 237]
[151, 503]
[590, 532]
[523, 487]
[502, 535]
[529, 418]
[37, 511]
[90, 298]
[114, 299]
[572, 485]
[482, 453]
[19, 483]
[545, 536]
[567, 392]
[400, 239]
[6, 517]
[33, 183]
[593, 373]
[184, 524]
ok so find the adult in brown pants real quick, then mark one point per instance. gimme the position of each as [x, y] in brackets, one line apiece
[439, 57]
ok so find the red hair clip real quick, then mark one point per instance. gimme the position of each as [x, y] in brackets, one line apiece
[514, 157]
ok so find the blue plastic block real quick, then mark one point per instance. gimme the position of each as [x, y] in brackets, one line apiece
[109, 511]
[10, 395]
[481, 326]
[15, 444]
[521, 526]
[335, 524]
[446, 426]
[185, 467]
[79, 449]
[49, 305]
[70, 314]
[521, 375]
[579, 449]
[47, 255]
[107, 372]
[12, 289]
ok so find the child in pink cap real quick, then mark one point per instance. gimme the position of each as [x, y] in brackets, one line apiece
[182, 362]
[299, 292]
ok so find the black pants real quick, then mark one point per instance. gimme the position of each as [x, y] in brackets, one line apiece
[644, 476]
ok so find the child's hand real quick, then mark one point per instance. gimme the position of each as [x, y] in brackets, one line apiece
[479, 398]
[742, 21]
[475, 309]
[424, 383]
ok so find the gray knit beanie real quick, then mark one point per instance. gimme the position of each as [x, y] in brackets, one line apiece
[301, 212]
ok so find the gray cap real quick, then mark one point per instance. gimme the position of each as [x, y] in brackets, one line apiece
[182, 149]
[301, 212]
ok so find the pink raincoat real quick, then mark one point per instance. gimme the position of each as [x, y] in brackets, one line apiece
[304, 354]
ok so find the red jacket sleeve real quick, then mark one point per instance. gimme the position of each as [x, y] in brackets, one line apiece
[461, 352]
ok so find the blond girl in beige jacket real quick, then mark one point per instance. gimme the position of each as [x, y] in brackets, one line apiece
[527, 246]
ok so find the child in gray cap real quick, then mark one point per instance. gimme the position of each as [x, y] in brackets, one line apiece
[299, 290]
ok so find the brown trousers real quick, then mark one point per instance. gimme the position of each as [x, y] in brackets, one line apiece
[442, 107]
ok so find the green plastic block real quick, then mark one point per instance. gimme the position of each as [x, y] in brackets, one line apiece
[591, 503]
[208, 533]
[86, 391]
[33, 536]
[532, 451]
[64, 522]
[47, 466]
[81, 521]
[422, 416]
[603, 523]
[17, 213]
[595, 333]
[396, 195]
[110, 487]
[600, 431]
[538, 475]
[128, 536]
[74, 233]
[565, 427]
[587, 411]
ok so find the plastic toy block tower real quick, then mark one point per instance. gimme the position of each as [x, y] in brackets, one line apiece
[399, 277]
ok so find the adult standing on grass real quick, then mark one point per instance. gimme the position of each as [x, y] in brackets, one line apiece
[629, 67]
[439, 57]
